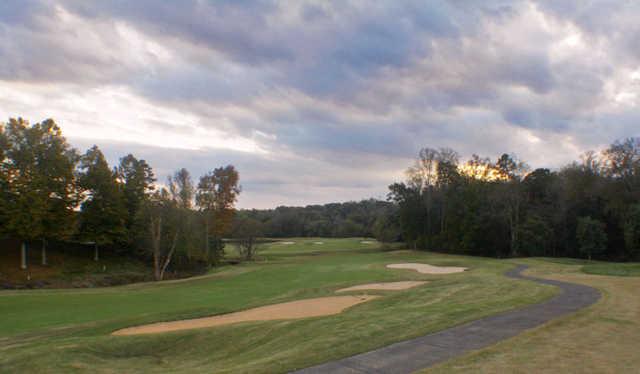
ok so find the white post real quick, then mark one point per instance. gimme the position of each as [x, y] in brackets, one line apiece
[23, 256]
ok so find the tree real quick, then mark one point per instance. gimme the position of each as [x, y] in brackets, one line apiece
[136, 178]
[591, 236]
[411, 213]
[511, 171]
[534, 236]
[422, 177]
[216, 195]
[4, 182]
[38, 182]
[182, 193]
[181, 188]
[246, 231]
[162, 218]
[386, 229]
[632, 232]
[103, 213]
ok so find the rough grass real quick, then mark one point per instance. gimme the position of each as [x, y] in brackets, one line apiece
[68, 330]
[614, 269]
[603, 338]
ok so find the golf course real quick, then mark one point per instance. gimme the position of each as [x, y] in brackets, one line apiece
[72, 330]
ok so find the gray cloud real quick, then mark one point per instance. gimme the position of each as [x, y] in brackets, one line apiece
[339, 95]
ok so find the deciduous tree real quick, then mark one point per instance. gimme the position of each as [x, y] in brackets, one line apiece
[216, 195]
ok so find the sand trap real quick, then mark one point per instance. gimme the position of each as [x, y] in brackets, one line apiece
[287, 243]
[387, 286]
[366, 242]
[428, 269]
[318, 242]
[322, 306]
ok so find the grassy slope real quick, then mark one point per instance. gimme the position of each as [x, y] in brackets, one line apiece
[68, 330]
[601, 339]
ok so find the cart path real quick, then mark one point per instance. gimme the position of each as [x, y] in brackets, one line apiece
[423, 352]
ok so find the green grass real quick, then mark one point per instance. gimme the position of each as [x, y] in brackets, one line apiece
[616, 269]
[620, 269]
[68, 330]
[316, 245]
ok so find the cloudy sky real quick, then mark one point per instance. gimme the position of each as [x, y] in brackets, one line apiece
[318, 101]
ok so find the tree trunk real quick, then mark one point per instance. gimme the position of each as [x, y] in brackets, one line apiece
[23, 255]
[44, 252]
[96, 256]
[206, 236]
[167, 259]
[156, 232]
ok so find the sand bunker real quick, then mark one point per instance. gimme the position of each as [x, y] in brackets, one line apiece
[387, 286]
[428, 269]
[322, 306]
[366, 242]
[318, 242]
[287, 243]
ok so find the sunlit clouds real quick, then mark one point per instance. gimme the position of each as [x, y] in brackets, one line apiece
[318, 101]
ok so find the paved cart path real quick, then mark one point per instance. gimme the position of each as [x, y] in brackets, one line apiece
[419, 353]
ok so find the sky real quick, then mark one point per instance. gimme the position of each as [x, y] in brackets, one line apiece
[321, 101]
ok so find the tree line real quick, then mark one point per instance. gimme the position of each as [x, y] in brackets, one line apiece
[502, 208]
[48, 191]
[349, 219]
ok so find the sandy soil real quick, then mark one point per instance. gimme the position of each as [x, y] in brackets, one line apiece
[428, 269]
[322, 306]
[387, 286]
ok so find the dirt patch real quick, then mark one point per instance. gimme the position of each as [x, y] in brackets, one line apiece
[287, 243]
[322, 306]
[428, 269]
[367, 242]
[318, 242]
[387, 286]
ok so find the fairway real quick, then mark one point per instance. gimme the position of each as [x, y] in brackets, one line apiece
[79, 323]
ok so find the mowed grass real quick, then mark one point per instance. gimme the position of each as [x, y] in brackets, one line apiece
[298, 246]
[603, 338]
[69, 330]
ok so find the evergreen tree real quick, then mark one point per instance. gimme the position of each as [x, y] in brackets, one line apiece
[103, 214]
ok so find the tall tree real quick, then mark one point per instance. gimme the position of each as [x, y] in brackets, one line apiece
[422, 177]
[137, 179]
[103, 213]
[182, 193]
[511, 172]
[181, 188]
[632, 232]
[246, 232]
[4, 182]
[38, 179]
[163, 219]
[216, 195]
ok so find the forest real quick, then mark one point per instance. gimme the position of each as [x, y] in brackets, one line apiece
[586, 209]
[49, 192]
